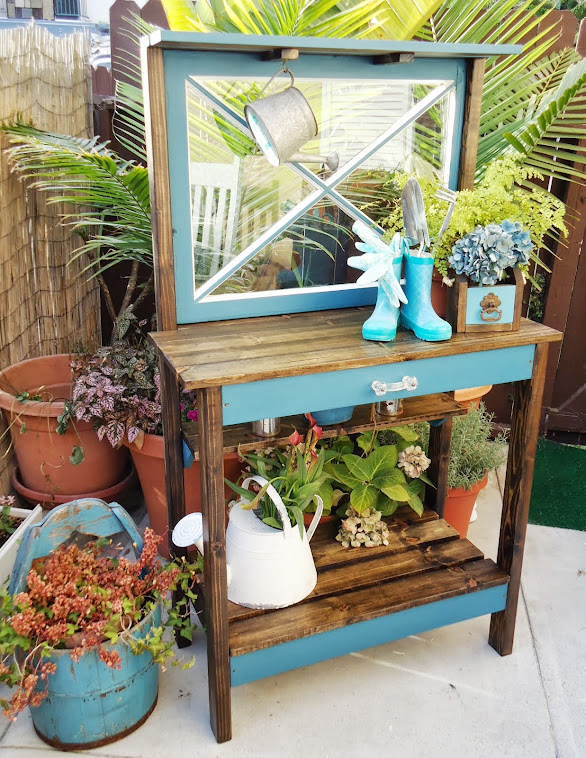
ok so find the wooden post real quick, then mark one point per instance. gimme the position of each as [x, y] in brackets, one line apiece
[471, 126]
[523, 443]
[209, 408]
[158, 161]
[439, 452]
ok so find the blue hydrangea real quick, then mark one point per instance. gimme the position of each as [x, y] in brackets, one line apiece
[485, 254]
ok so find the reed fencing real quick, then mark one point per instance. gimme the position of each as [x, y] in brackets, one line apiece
[47, 305]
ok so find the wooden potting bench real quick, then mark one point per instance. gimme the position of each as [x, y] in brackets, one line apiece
[287, 363]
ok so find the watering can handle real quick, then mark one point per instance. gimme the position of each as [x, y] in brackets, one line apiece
[315, 520]
[275, 497]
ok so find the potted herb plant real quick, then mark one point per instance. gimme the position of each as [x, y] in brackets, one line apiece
[473, 454]
[82, 637]
[58, 459]
[117, 392]
[13, 523]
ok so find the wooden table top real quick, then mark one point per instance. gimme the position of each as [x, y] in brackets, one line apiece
[246, 350]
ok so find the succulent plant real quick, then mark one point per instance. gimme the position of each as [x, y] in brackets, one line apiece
[486, 253]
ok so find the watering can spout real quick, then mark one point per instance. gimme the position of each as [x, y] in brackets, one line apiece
[189, 531]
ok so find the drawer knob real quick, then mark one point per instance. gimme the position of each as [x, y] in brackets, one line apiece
[408, 383]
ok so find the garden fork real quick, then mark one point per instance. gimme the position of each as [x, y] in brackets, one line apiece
[449, 196]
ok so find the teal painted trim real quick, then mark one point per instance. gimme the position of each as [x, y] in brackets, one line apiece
[308, 202]
[287, 301]
[364, 634]
[458, 124]
[179, 64]
[505, 292]
[263, 43]
[334, 389]
[178, 152]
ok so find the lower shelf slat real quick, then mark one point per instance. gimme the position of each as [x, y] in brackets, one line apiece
[366, 634]
[333, 612]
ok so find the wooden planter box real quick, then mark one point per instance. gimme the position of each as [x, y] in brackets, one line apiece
[486, 308]
[10, 547]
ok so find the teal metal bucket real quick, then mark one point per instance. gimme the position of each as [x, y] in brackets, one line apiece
[89, 704]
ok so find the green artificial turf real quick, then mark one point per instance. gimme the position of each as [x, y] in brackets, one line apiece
[558, 497]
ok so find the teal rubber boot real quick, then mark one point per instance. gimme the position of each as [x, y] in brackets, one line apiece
[382, 325]
[419, 315]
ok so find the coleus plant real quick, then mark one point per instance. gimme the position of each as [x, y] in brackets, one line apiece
[384, 477]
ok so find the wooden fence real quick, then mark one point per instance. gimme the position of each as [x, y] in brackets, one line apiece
[46, 305]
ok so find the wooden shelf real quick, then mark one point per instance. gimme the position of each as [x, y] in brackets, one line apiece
[425, 562]
[424, 408]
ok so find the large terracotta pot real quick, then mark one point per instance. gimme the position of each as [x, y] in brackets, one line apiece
[42, 454]
[149, 461]
[439, 294]
[460, 504]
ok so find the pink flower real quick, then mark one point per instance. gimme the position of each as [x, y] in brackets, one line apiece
[295, 438]
[310, 418]
[192, 415]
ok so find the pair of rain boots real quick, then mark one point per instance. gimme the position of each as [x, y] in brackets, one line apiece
[417, 314]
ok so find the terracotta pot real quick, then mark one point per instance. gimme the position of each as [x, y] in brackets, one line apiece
[47, 501]
[42, 454]
[460, 504]
[439, 294]
[149, 461]
[308, 518]
[472, 396]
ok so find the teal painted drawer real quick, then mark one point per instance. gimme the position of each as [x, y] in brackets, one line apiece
[333, 389]
[477, 299]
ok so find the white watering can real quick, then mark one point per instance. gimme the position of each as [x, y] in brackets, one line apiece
[267, 567]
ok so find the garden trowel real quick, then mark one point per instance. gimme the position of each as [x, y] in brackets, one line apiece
[414, 219]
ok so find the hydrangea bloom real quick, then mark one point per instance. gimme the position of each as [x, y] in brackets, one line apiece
[485, 254]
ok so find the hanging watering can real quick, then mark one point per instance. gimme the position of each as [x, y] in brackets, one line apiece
[267, 567]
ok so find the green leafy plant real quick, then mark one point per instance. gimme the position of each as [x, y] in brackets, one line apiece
[384, 477]
[8, 523]
[297, 473]
[496, 198]
[472, 451]
[82, 598]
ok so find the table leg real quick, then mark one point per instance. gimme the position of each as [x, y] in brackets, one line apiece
[173, 441]
[517, 494]
[209, 408]
[439, 452]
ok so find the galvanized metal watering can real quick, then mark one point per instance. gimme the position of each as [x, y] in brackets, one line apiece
[267, 567]
[282, 123]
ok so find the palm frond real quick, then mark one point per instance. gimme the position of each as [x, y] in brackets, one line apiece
[550, 142]
[105, 199]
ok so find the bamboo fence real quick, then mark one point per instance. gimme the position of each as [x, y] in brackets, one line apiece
[46, 305]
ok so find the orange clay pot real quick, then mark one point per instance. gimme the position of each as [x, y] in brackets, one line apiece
[149, 461]
[460, 504]
[41, 453]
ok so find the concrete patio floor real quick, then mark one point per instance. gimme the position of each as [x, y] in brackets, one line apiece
[442, 693]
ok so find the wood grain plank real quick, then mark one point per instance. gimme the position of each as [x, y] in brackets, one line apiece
[470, 129]
[517, 495]
[209, 404]
[367, 574]
[329, 553]
[340, 610]
[204, 354]
[439, 452]
[424, 408]
[160, 193]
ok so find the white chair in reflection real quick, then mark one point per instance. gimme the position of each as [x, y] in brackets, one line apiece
[215, 206]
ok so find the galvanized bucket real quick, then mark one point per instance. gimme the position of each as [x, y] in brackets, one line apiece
[89, 704]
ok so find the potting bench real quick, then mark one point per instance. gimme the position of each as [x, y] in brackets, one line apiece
[304, 351]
